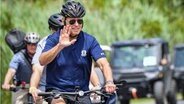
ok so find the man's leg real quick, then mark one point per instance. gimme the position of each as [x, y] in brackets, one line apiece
[58, 101]
[19, 97]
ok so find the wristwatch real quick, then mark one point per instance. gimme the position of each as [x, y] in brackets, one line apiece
[109, 82]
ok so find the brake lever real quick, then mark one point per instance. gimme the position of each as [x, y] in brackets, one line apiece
[14, 89]
[103, 93]
[57, 96]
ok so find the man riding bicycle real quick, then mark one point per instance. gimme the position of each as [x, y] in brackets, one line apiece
[38, 75]
[68, 55]
[20, 68]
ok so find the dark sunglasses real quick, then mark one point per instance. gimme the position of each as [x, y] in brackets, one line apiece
[79, 21]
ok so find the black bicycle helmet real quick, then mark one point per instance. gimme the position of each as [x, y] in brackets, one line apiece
[55, 21]
[73, 9]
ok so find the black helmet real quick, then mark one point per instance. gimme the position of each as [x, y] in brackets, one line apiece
[73, 9]
[55, 21]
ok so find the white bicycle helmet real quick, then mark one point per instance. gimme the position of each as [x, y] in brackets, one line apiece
[32, 37]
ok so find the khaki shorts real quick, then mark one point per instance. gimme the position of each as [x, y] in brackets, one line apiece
[19, 97]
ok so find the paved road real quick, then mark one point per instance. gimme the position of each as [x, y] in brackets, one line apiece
[152, 102]
[179, 102]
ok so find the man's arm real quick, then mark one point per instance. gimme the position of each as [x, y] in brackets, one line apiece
[35, 79]
[106, 69]
[9, 75]
[48, 56]
[36, 75]
[107, 72]
[94, 78]
[64, 41]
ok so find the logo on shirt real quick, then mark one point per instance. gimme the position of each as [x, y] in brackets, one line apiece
[102, 54]
[83, 53]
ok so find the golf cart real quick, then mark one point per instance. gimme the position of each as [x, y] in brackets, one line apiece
[144, 64]
[179, 67]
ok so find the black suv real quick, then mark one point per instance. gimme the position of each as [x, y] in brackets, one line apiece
[179, 67]
[144, 64]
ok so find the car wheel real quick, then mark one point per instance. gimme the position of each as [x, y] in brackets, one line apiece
[171, 95]
[125, 101]
[158, 90]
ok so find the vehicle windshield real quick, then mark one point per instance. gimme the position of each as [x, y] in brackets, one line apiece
[179, 58]
[134, 56]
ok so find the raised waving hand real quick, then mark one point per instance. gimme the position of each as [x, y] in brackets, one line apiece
[64, 39]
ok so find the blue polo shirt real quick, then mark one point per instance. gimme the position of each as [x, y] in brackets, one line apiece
[72, 65]
[21, 66]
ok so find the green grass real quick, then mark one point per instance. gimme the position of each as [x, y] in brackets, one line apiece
[179, 96]
[142, 100]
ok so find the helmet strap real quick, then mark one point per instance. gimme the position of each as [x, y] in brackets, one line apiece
[64, 21]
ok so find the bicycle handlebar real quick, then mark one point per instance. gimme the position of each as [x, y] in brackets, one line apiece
[16, 88]
[80, 92]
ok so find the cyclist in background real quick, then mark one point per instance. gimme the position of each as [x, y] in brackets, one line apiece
[68, 55]
[20, 68]
[38, 76]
